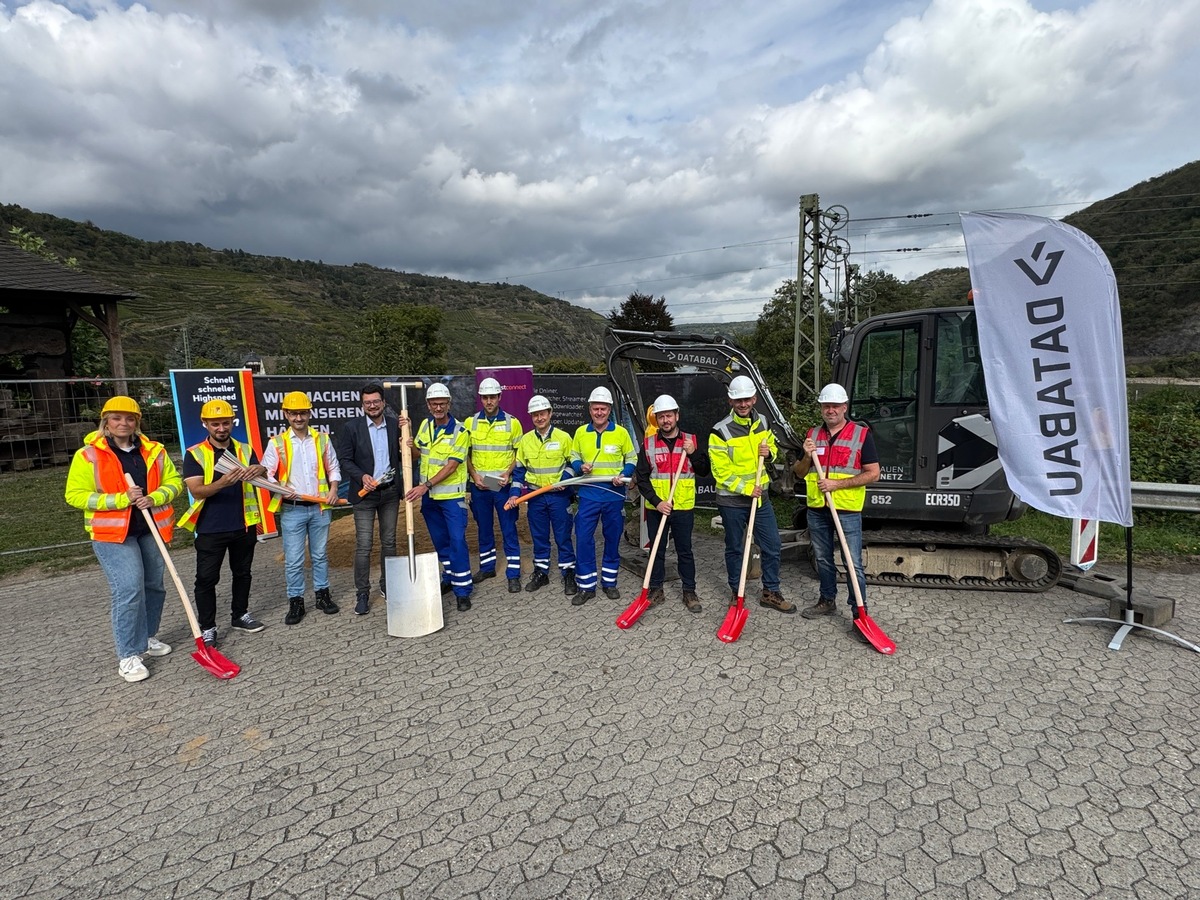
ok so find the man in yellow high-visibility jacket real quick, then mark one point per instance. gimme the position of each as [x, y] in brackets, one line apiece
[224, 516]
[494, 437]
[734, 448]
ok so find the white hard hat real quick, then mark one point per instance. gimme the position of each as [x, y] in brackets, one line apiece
[741, 388]
[665, 403]
[437, 392]
[601, 395]
[833, 393]
[537, 403]
[489, 387]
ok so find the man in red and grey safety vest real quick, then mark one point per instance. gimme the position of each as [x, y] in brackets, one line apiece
[847, 453]
[659, 461]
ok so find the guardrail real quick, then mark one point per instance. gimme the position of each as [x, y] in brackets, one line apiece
[1173, 497]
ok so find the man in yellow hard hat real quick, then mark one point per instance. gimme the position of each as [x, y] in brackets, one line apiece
[224, 516]
[303, 460]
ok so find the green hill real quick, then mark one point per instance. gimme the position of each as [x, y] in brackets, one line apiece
[235, 303]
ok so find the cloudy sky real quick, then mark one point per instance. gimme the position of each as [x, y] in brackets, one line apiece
[588, 149]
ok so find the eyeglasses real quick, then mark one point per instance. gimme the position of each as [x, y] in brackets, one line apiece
[372, 403]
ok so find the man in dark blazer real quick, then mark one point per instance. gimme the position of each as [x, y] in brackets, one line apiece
[369, 454]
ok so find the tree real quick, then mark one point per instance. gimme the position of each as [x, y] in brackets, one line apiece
[641, 312]
[399, 340]
[772, 341]
[564, 365]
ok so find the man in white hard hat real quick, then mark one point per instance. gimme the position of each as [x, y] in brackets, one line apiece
[494, 435]
[734, 448]
[847, 452]
[602, 447]
[442, 444]
[543, 458]
[662, 453]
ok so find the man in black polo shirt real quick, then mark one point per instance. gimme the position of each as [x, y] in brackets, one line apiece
[224, 516]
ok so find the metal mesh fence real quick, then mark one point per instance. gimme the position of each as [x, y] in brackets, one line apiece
[42, 424]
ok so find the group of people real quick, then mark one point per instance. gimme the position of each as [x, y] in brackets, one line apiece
[485, 463]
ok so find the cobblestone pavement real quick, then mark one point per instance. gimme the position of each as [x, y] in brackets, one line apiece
[532, 749]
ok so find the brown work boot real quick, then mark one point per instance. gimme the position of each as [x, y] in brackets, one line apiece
[822, 607]
[691, 601]
[775, 600]
[656, 596]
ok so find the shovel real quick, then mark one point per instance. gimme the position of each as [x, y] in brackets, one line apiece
[642, 603]
[227, 463]
[863, 622]
[384, 480]
[414, 585]
[735, 619]
[208, 657]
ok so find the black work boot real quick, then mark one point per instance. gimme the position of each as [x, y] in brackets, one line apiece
[539, 580]
[570, 588]
[325, 603]
[822, 607]
[295, 611]
[514, 585]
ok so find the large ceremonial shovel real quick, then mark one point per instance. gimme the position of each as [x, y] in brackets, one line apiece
[414, 584]
[735, 619]
[862, 621]
[208, 657]
[635, 609]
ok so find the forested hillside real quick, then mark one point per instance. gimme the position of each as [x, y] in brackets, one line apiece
[234, 304]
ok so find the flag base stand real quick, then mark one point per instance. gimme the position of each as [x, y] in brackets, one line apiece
[1128, 623]
[1126, 627]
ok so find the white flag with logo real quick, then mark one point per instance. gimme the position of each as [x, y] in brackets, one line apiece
[1053, 357]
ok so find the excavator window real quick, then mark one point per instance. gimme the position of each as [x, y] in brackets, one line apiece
[885, 396]
[958, 375]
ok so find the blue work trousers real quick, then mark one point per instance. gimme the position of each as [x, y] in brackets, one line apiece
[551, 513]
[447, 524]
[610, 517]
[485, 504]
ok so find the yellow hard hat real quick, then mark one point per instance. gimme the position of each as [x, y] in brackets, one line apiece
[296, 400]
[216, 409]
[123, 405]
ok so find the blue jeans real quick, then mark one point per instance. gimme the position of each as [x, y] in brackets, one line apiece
[134, 569]
[823, 536]
[383, 504]
[735, 520]
[679, 524]
[298, 524]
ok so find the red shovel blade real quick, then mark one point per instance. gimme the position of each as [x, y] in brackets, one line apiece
[873, 633]
[735, 621]
[634, 611]
[213, 661]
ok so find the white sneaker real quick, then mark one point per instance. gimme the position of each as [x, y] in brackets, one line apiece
[155, 647]
[132, 669]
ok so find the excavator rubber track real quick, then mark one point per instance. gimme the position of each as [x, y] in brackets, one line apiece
[959, 561]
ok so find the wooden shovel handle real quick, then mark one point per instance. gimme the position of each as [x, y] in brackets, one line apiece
[750, 530]
[851, 571]
[662, 525]
[162, 548]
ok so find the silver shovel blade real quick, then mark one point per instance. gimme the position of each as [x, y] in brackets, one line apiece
[414, 605]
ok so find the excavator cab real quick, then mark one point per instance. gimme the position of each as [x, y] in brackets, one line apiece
[916, 378]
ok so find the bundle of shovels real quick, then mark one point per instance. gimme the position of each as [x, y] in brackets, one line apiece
[229, 463]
